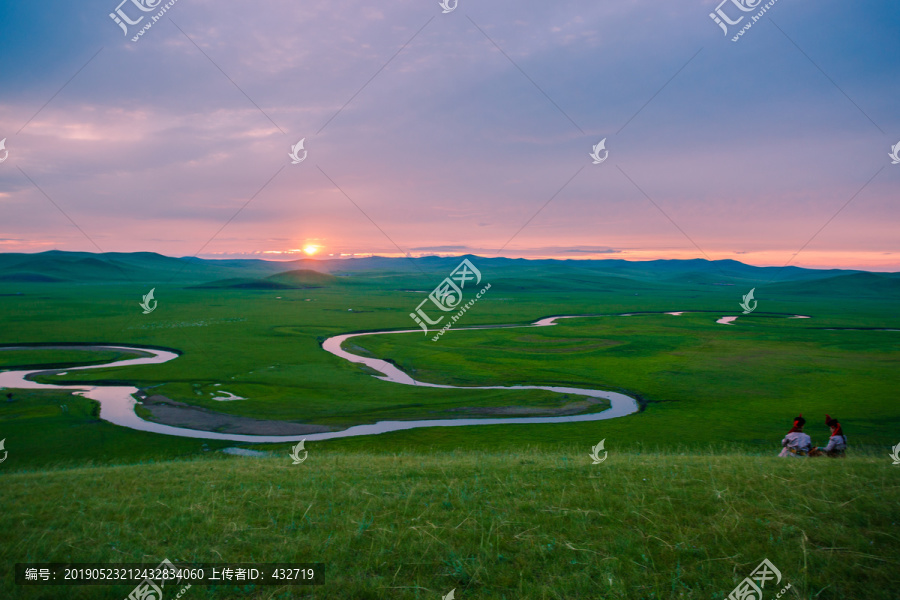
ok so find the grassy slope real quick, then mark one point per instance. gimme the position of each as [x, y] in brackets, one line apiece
[528, 524]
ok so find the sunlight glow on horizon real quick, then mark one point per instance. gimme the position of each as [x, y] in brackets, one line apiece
[864, 260]
[811, 259]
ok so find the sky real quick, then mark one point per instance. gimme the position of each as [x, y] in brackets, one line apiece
[461, 132]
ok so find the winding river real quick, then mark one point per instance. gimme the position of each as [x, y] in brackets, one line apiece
[117, 402]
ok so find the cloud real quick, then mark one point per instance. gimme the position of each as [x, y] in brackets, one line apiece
[422, 133]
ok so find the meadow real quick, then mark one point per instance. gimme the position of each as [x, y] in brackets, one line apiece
[690, 500]
[531, 523]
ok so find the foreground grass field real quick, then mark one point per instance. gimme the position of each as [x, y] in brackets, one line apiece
[520, 525]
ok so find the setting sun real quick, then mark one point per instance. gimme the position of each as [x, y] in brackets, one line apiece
[311, 249]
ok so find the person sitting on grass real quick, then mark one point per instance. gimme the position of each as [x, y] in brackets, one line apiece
[837, 443]
[796, 443]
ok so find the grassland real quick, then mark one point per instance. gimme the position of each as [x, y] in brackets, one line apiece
[700, 382]
[530, 524]
[690, 500]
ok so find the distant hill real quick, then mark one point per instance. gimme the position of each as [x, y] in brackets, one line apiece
[854, 284]
[144, 268]
[696, 270]
[290, 280]
[242, 283]
[303, 278]
[30, 277]
[579, 281]
[65, 268]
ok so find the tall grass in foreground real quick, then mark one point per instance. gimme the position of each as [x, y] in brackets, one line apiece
[534, 524]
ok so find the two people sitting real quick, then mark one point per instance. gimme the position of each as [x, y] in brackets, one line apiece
[797, 443]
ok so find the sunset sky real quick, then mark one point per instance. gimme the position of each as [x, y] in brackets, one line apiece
[456, 129]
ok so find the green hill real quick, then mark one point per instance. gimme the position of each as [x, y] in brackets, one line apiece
[87, 267]
[149, 267]
[855, 284]
[291, 280]
[242, 283]
[303, 278]
[30, 278]
[574, 282]
[70, 268]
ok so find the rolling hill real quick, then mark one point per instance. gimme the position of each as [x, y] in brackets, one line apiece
[420, 273]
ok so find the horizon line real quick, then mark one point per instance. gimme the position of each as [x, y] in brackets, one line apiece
[351, 256]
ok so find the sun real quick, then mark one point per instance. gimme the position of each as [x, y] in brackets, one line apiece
[310, 249]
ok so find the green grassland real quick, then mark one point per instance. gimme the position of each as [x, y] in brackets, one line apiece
[532, 524]
[699, 382]
[56, 357]
[689, 502]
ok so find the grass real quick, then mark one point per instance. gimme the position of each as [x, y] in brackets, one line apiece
[739, 383]
[707, 382]
[500, 511]
[40, 434]
[57, 358]
[533, 523]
